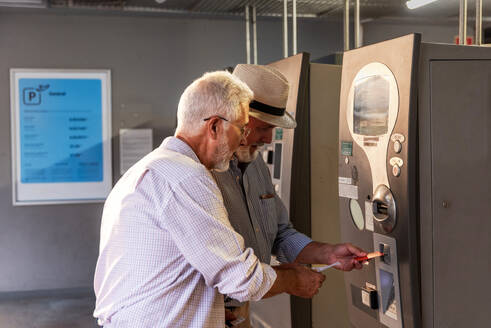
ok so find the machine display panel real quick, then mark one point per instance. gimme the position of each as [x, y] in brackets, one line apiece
[371, 105]
[277, 160]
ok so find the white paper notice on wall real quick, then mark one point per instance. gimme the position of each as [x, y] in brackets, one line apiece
[348, 191]
[134, 144]
[368, 216]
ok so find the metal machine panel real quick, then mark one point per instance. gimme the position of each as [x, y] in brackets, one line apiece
[286, 144]
[438, 186]
[461, 194]
[377, 134]
[469, 92]
[294, 68]
[386, 270]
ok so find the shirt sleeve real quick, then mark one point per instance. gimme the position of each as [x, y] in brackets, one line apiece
[288, 242]
[198, 222]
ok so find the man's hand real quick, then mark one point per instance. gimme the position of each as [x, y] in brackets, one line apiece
[323, 253]
[305, 282]
[296, 279]
[345, 253]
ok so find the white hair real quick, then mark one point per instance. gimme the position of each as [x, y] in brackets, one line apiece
[214, 94]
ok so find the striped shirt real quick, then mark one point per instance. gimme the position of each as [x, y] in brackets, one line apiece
[257, 212]
[168, 252]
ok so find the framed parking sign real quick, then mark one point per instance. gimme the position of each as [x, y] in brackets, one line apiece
[61, 136]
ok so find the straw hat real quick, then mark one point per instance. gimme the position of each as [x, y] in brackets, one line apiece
[270, 89]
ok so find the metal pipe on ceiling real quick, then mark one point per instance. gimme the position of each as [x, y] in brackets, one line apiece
[248, 35]
[346, 25]
[357, 25]
[254, 33]
[294, 19]
[285, 28]
[463, 22]
[478, 36]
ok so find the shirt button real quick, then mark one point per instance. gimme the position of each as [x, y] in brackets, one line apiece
[257, 229]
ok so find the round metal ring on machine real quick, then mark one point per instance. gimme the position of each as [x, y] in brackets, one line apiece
[384, 208]
[356, 214]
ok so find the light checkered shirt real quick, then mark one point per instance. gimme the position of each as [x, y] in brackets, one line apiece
[168, 252]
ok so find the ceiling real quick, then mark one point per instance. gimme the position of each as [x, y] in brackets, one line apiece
[370, 9]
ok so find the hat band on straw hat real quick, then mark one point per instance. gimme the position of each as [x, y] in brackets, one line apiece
[267, 108]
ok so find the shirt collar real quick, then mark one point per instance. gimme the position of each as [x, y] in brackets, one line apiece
[234, 164]
[179, 146]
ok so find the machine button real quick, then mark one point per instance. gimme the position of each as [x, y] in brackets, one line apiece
[397, 147]
[396, 170]
[396, 161]
[398, 137]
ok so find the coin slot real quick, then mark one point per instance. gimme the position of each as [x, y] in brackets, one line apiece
[384, 208]
[381, 210]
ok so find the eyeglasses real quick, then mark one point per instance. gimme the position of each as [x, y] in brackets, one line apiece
[244, 130]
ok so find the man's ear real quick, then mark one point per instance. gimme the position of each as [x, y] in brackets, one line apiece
[213, 127]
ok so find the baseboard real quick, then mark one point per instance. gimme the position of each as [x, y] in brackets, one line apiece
[48, 293]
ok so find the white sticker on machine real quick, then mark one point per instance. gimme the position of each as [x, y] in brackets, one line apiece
[348, 191]
[345, 180]
[368, 216]
[365, 297]
[392, 311]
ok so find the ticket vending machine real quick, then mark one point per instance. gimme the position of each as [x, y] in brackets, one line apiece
[278, 155]
[414, 159]
[303, 167]
[280, 159]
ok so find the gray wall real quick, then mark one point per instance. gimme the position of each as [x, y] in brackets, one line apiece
[151, 60]
[380, 30]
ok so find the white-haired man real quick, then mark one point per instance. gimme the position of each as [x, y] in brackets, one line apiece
[254, 208]
[168, 252]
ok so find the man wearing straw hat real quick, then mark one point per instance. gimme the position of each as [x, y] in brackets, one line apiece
[168, 252]
[254, 208]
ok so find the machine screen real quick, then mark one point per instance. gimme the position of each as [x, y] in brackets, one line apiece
[371, 105]
[387, 287]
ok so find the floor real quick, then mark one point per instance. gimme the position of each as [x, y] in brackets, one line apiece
[48, 312]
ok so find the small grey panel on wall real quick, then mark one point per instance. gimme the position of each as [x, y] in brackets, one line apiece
[133, 116]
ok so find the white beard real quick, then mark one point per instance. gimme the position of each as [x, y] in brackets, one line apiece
[223, 156]
[244, 154]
